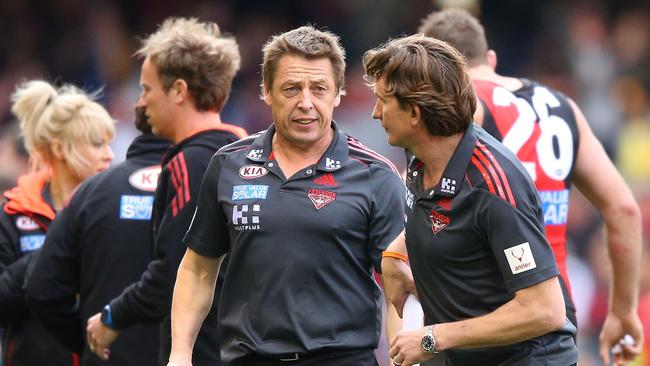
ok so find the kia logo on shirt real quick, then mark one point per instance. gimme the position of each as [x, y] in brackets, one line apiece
[26, 223]
[145, 179]
[252, 171]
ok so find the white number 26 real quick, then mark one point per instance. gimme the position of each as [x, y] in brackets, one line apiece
[554, 162]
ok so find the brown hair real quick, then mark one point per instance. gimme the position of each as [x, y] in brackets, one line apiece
[461, 30]
[308, 42]
[198, 54]
[429, 73]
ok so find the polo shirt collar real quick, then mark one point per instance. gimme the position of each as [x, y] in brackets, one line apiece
[334, 158]
[452, 177]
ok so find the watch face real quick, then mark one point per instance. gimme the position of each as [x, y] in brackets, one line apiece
[428, 343]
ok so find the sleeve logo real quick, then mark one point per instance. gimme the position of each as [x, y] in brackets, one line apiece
[520, 258]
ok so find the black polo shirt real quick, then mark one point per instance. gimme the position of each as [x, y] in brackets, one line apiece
[301, 250]
[474, 240]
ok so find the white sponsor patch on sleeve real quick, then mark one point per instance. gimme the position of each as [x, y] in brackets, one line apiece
[520, 258]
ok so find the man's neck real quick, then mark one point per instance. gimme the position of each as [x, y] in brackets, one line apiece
[487, 73]
[293, 157]
[192, 122]
[435, 152]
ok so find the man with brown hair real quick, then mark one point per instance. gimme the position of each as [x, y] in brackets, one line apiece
[484, 272]
[550, 135]
[303, 211]
[186, 78]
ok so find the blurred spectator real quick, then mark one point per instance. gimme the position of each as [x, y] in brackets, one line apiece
[13, 156]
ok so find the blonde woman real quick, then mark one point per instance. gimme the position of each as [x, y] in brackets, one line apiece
[67, 135]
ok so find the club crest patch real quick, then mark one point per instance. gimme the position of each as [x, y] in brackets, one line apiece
[438, 221]
[320, 197]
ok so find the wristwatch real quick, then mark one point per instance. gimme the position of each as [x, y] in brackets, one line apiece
[107, 317]
[428, 342]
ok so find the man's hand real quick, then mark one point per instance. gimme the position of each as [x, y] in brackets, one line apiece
[100, 337]
[406, 349]
[398, 282]
[180, 360]
[614, 330]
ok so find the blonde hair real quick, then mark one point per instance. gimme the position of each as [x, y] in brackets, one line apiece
[198, 54]
[67, 115]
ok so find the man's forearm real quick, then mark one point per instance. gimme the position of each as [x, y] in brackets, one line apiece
[533, 312]
[624, 242]
[193, 294]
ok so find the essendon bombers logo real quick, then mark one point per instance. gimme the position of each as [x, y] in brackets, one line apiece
[252, 171]
[320, 197]
[438, 221]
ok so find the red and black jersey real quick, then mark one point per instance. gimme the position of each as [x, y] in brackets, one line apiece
[474, 240]
[98, 245]
[24, 220]
[538, 124]
[149, 299]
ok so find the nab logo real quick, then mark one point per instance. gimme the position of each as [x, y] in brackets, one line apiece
[252, 171]
[26, 223]
[331, 164]
[241, 216]
[448, 185]
[145, 179]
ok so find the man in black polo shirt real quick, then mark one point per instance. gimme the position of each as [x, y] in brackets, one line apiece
[304, 212]
[186, 78]
[484, 272]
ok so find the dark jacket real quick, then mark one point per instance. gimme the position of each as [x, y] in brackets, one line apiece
[150, 298]
[96, 247]
[24, 220]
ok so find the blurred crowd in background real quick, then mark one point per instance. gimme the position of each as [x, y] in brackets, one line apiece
[595, 51]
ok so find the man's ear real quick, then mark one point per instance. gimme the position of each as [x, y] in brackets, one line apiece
[56, 149]
[266, 94]
[492, 59]
[415, 114]
[180, 91]
[337, 99]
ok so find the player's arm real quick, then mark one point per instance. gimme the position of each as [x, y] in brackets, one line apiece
[53, 282]
[600, 182]
[193, 294]
[534, 311]
[397, 276]
[387, 224]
